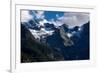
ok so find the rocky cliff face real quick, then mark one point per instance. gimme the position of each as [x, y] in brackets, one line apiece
[33, 51]
[66, 40]
[54, 46]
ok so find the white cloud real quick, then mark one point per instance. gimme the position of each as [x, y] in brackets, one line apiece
[25, 16]
[39, 14]
[42, 22]
[56, 23]
[74, 19]
[71, 19]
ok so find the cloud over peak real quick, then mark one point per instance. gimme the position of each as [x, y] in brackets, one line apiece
[73, 19]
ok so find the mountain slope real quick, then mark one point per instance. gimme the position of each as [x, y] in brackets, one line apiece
[75, 47]
[33, 51]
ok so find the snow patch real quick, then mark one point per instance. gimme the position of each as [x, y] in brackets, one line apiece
[42, 33]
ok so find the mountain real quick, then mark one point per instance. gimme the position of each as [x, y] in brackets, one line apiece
[49, 43]
[80, 49]
[75, 47]
[33, 51]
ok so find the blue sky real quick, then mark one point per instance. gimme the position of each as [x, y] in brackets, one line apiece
[52, 14]
[48, 14]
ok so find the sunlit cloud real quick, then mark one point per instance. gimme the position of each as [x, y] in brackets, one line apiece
[73, 19]
[25, 16]
[39, 14]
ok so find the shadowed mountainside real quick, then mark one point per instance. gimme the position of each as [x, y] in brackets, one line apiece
[33, 51]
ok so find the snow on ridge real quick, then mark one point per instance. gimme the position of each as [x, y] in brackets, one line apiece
[38, 34]
[69, 35]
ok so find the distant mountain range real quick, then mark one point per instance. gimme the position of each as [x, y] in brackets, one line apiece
[45, 42]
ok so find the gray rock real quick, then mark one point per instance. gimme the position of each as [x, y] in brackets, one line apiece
[66, 40]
